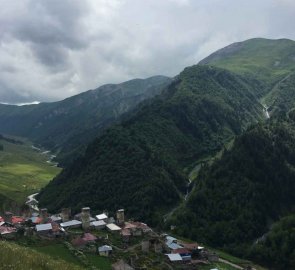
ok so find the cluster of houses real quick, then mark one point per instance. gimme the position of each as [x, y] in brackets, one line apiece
[39, 222]
[190, 253]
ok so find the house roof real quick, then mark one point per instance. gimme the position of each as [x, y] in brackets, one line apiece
[105, 248]
[126, 232]
[98, 223]
[190, 246]
[181, 251]
[136, 224]
[170, 239]
[129, 225]
[78, 242]
[7, 230]
[43, 227]
[113, 227]
[173, 245]
[89, 237]
[71, 223]
[101, 216]
[55, 218]
[16, 219]
[36, 220]
[174, 257]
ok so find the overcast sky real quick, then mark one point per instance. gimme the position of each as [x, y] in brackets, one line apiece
[52, 49]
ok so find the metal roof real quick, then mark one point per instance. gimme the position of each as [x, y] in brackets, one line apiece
[174, 257]
[101, 216]
[43, 227]
[105, 248]
[98, 223]
[113, 227]
[71, 223]
[173, 245]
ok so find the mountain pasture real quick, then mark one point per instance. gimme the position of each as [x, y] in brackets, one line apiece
[23, 170]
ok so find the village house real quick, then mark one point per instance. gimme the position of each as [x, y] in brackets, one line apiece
[79, 242]
[7, 232]
[102, 217]
[89, 238]
[56, 219]
[172, 243]
[185, 254]
[71, 224]
[113, 227]
[98, 224]
[44, 228]
[174, 258]
[126, 234]
[105, 250]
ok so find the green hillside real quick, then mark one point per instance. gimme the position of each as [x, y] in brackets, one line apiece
[263, 59]
[23, 171]
[281, 98]
[276, 249]
[19, 258]
[65, 127]
[140, 163]
[236, 200]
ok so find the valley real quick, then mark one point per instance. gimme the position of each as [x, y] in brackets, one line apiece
[23, 171]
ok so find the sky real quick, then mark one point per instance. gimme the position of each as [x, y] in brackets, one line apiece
[53, 49]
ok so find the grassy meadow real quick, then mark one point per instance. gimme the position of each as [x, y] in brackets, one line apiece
[16, 257]
[23, 171]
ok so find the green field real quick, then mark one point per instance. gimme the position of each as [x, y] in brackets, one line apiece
[17, 257]
[23, 171]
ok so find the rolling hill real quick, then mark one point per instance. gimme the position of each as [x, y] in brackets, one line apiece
[140, 163]
[263, 59]
[65, 127]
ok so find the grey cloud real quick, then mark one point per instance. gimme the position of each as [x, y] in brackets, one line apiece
[52, 49]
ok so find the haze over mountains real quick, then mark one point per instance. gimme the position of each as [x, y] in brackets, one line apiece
[142, 162]
[65, 127]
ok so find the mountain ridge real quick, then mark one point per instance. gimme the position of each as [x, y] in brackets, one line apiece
[66, 126]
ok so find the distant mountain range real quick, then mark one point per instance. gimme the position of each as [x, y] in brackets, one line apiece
[65, 127]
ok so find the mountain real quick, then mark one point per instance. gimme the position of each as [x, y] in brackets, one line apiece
[141, 164]
[281, 98]
[237, 199]
[276, 249]
[65, 127]
[265, 60]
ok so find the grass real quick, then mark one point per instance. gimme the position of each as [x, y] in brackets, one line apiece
[23, 171]
[101, 263]
[17, 257]
[218, 265]
[58, 252]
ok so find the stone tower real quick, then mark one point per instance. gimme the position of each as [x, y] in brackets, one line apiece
[120, 217]
[85, 218]
[44, 215]
[65, 214]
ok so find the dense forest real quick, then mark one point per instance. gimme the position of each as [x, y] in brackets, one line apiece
[276, 249]
[139, 164]
[237, 199]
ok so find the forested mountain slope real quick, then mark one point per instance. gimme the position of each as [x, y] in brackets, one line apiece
[65, 127]
[238, 198]
[139, 164]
